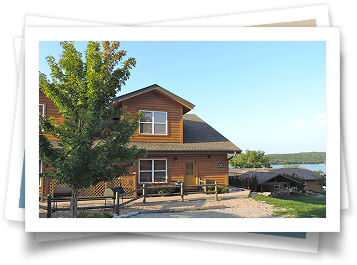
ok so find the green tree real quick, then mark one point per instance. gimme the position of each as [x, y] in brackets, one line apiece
[322, 179]
[83, 91]
[300, 185]
[251, 159]
[291, 166]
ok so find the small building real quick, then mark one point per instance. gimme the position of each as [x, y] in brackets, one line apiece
[270, 179]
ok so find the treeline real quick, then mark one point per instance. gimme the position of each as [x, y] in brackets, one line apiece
[297, 158]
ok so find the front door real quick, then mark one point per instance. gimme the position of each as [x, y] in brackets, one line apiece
[189, 170]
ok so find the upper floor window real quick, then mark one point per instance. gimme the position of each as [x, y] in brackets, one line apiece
[153, 122]
[42, 109]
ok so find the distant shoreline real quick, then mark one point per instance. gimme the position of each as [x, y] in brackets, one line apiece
[310, 158]
[311, 167]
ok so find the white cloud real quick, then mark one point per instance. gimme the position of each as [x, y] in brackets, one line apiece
[319, 116]
[316, 123]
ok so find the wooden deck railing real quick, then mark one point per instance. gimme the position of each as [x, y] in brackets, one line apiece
[116, 205]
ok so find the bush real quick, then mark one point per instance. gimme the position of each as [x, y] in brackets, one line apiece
[220, 189]
[86, 214]
[246, 182]
[163, 191]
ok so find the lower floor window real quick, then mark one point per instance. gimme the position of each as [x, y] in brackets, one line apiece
[277, 186]
[152, 170]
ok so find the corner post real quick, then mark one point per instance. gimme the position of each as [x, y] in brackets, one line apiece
[181, 191]
[144, 193]
[216, 190]
[117, 202]
[49, 199]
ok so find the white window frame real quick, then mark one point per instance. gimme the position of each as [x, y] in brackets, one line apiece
[153, 123]
[43, 113]
[153, 171]
[43, 109]
[40, 181]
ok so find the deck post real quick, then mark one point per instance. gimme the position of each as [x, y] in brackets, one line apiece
[182, 191]
[205, 187]
[117, 202]
[144, 193]
[49, 199]
[135, 185]
[216, 190]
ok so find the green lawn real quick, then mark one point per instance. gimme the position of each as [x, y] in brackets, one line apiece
[299, 206]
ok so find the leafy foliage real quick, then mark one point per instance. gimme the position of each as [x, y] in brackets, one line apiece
[300, 184]
[220, 189]
[251, 159]
[290, 166]
[322, 179]
[297, 158]
[245, 182]
[83, 91]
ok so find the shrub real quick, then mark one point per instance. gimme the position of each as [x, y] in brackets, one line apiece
[220, 189]
[235, 181]
[163, 191]
[246, 182]
[86, 214]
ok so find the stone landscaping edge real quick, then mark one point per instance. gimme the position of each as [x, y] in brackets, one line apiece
[129, 214]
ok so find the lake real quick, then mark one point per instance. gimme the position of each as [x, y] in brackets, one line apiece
[308, 166]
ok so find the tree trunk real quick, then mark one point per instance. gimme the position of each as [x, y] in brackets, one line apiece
[73, 205]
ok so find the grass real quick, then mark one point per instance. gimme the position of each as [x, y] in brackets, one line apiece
[299, 206]
[319, 192]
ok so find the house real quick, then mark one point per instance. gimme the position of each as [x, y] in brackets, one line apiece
[270, 179]
[181, 146]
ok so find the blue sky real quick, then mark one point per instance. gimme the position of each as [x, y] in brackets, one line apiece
[261, 95]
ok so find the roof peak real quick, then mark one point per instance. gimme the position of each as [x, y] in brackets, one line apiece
[187, 105]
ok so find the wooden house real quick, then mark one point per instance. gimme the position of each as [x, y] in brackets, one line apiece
[181, 146]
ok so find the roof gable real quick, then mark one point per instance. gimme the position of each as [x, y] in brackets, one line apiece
[187, 106]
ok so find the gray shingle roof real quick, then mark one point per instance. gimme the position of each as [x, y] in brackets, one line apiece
[198, 136]
[269, 173]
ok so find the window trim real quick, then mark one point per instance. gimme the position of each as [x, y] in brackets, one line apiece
[41, 171]
[153, 123]
[152, 170]
[43, 108]
[43, 112]
[277, 187]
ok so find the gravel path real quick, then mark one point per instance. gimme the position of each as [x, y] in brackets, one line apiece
[235, 208]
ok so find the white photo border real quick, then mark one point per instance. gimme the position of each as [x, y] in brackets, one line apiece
[35, 34]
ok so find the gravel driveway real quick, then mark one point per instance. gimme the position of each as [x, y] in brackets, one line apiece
[235, 208]
[223, 208]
